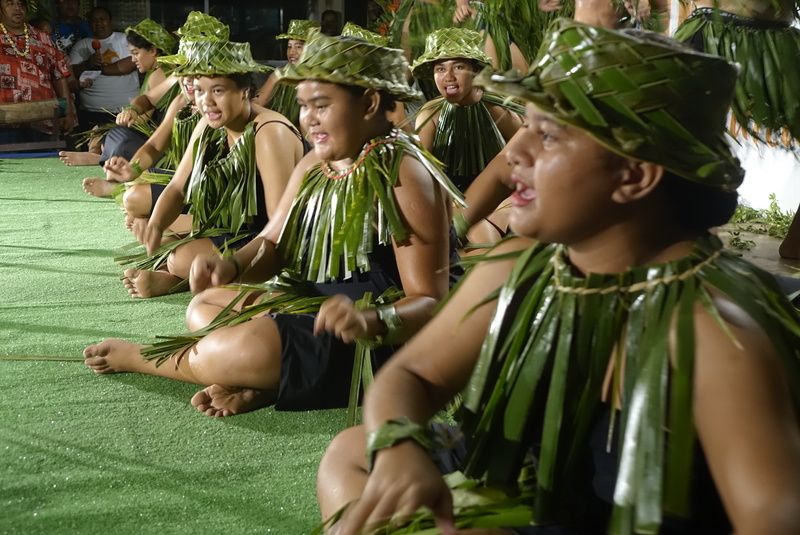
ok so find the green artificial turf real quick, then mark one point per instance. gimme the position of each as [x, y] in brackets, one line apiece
[81, 453]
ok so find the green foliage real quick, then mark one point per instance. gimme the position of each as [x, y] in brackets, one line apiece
[772, 221]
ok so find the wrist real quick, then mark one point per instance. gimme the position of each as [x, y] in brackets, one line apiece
[137, 168]
[395, 431]
[391, 322]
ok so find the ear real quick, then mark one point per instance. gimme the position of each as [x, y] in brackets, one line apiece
[372, 103]
[638, 180]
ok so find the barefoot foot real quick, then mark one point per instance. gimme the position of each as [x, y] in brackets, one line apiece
[218, 400]
[113, 356]
[143, 283]
[79, 158]
[99, 187]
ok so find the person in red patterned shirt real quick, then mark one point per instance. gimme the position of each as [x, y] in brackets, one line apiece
[31, 68]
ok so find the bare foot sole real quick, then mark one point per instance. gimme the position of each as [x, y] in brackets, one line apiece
[79, 158]
[113, 355]
[219, 401]
[99, 187]
[143, 283]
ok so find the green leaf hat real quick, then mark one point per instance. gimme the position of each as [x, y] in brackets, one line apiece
[199, 27]
[450, 43]
[298, 29]
[640, 94]
[213, 58]
[155, 35]
[350, 61]
[354, 30]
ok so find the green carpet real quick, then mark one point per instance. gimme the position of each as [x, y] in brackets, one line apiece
[81, 453]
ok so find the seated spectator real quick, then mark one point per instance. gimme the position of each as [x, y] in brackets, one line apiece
[31, 68]
[115, 81]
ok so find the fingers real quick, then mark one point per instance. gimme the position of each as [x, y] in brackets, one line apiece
[339, 316]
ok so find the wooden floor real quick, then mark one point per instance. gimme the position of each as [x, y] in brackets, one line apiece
[764, 253]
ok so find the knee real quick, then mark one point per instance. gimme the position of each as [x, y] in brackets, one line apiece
[137, 201]
[345, 454]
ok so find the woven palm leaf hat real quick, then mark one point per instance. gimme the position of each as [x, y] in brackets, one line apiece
[198, 27]
[450, 43]
[640, 94]
[155, 35]
[354, 30]
[350, 61]
[298, 29]
[216, 58]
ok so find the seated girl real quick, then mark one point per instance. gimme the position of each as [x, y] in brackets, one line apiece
[234, 176]
[620, 371]
[366, 212]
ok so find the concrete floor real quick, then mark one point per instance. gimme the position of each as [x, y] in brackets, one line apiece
[764, 254]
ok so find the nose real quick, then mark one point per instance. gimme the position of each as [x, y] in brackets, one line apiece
[519, 149]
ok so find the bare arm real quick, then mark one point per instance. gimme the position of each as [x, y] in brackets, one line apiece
[278, 151]
[119, 169]
[119, 68]
[507, 122]
[416, 382]
[171, 201]
[488, 189]
[425, 123]
[146, 101]
[746, 424]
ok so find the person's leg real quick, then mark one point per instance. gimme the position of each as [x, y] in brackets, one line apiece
[138, 201]
[247, 355]
[144, 283]
[206, 306]
[122, 141]
[790, 247]
[342, 471]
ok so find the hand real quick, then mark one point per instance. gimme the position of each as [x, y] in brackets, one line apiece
[403, 480]
[211, 271]
[549, 5]
[639, 9]
[339, 316]
[118, 169]
[66, 124]
[86, 83]
[95, 61]
[463, 12]
[127, 117]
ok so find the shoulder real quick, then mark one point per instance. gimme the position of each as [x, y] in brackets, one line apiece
[271, 124]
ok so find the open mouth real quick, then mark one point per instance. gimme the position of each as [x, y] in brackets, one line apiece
[451, 89]
[523, 194]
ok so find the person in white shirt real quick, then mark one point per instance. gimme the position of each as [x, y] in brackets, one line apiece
[114, 79]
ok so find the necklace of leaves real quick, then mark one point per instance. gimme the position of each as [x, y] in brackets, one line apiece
[13, 41]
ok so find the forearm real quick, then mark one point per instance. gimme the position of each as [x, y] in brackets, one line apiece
[258, 261]
[118, 68]
[487, 191]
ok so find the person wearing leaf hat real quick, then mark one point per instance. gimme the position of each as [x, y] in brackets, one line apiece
[365, 218]
[281, 97]
[620, 372]
[232, 178]
[198, 27]
[145, 42]
[466, 126]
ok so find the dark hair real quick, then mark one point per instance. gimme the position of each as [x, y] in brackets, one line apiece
[100, 8]
[474, 64]
[140, 42]
[388, 102]
[696, 206]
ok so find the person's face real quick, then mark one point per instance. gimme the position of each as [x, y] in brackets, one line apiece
[564, 181]
[188, 87]
[45, 27]
[68, 9]
[219, 100]
[12, 13]
[100, 23]
[293, 50]
[453, 79]
[333, 119]
[145, 60]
